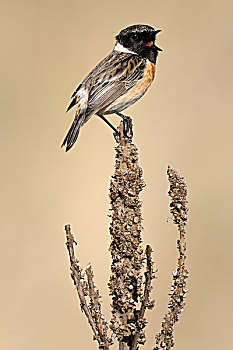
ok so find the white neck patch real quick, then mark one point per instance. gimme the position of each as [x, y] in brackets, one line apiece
[121, 48]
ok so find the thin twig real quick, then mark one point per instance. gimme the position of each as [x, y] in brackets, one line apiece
[76, 275]
[95, 307]
[179, 211]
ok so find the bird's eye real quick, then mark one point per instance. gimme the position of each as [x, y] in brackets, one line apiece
[134, 36]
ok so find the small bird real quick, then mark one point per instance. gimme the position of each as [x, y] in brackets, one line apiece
[117, 82]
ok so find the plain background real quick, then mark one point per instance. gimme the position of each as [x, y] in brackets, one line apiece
[184, 120]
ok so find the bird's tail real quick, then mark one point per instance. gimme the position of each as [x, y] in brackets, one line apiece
[73, 132]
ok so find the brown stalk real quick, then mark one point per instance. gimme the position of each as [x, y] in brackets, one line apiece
[125, 284]
[95, 307]
[179, 211]
[145, 301]
[76, 275]
[130, 298]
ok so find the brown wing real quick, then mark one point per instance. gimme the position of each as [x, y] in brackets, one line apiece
[111, 78]
[120, 74]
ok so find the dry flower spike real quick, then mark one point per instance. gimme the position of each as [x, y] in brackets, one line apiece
[129, 300]
[179, 212]
[130, 291]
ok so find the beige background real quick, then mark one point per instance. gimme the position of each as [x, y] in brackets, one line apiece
[185, 120]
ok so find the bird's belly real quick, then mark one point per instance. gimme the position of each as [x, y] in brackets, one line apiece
[135, 93]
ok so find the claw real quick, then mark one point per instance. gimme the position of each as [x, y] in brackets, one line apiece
[128, 130]
[116, 136]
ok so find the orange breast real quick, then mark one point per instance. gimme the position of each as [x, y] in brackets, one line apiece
[136, 92]
[142, 86]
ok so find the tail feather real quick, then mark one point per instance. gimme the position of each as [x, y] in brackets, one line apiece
[72, 104]
[73, 133]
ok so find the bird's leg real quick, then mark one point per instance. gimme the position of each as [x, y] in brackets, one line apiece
[127, 123]
[116, 133]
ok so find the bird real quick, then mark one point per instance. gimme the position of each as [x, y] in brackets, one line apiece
[117, 82]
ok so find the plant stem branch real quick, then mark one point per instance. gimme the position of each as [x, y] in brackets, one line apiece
[76, 275]
[179, 211]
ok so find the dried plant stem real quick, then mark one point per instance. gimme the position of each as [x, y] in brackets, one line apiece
[125, 284]
[93, 312]
[145, 301]
[179, 211]
[129, 291]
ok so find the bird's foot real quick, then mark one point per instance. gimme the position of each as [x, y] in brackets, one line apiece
[127, 123]
[128, 126]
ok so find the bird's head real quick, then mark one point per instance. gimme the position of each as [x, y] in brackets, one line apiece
[138, 39]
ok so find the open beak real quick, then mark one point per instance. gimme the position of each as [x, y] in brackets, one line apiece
[158, 48]
[156, 32]
[152, 43]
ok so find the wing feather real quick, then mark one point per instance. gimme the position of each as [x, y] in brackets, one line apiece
[117, 81]
[111, 78]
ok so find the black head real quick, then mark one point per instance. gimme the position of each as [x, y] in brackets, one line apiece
[140, 39]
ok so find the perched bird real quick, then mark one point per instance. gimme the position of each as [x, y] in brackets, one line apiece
[118, 81]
